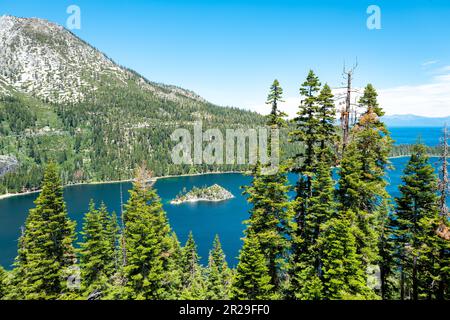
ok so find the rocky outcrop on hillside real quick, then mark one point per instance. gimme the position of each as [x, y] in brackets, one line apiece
[7, 164]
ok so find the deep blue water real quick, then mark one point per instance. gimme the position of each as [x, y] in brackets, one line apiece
[405, 135]
[204, 219]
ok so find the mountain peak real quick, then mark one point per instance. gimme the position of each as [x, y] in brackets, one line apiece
[46, 60]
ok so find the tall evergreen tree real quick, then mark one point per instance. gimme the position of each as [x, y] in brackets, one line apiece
[314, 203]
[46, 253]
[343, 277]
[219, 275]
[98, 250]
[305, 132]
[252, 279]
[387, 265]
[362, 184]
[308, 275]
[174, 266]
[194, 286]
[271, 219]
[369, 98]
[326, 130]
[112, 236]
[275, 96]
[417, 219]
[271, 214]
[147, 235]
[190, 258]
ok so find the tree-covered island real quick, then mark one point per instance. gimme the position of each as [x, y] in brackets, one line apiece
[213, 193]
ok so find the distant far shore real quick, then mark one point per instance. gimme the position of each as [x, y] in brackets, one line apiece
[10, 195]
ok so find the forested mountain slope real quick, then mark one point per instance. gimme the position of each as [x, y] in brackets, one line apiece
[62, 99]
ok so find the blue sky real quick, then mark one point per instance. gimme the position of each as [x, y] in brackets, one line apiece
[230, 51]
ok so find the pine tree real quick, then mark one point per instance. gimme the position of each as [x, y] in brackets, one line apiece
[315, 188]
[112, 235]
[252, 279]
[271, 214]
[46, 253]
[4, 287]
[98, 250]
[174, 267]
[147, 235]
[417, 219]
[190, 259]
[387, 253]
[369, 98]
[307, 279]
[343, 277]
[275, 117]
[306, 132]
[326, 130]
[362, 187]
[194, 286]
[219, 275]
[271, 218]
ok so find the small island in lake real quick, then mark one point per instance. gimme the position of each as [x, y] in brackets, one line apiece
[214, 193]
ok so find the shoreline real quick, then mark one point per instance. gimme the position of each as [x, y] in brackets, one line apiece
[177, 203]
[11, 195]
[154, 180]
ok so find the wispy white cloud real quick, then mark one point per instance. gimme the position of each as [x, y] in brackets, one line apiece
[429, 99]
[429, 63]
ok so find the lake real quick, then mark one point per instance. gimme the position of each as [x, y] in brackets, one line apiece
[405, 135]
[203, 218]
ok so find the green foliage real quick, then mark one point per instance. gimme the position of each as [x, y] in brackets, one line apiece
[308, 261]
[15, 117]
[271, 214]
[362, 184]
[416, 220]
[369, 99]
[105, 137]
[4, 285]
[46, 250]
[275, 118]
[212, 193]
[174, 266]
[343, 277]
[147, 243]
[194, 285]
[314, 202]
[326, 244]
[307, 124]
[219, 276]
[326, 131]
[252, 280]
[271, 219]
[99, 250]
